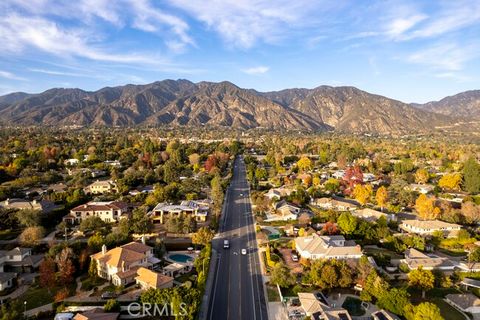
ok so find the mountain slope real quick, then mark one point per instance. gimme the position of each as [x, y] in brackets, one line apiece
[181, 102]
[465, 104]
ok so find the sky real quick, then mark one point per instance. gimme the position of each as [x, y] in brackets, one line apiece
[410, 50]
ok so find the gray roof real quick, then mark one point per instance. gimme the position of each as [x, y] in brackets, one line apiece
[5, 276]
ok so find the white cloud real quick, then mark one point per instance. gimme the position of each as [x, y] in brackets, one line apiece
[256, 70]
[10, 76]
[242, 23]
[445, 56]
[400, 25]
[58, 73]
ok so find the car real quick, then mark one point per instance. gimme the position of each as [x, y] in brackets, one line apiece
[294, 257]
[241, 194]
[244, 251]
[226, 244]
[108, 295]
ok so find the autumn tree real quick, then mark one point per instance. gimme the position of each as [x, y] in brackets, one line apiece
[362, 193]
[61, 295]
[330, 228]
[426, 208]
[470, 212]
[217, 194]
[65, 265]
[304, 164]
[353, 176]
[31, 236]
[47, 273]
[382, 197]
[203, 236]
[450, 181]
[422, 279]
[424, 311]
[422, 176]
[28, 218]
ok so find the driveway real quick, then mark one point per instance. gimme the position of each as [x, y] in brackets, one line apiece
[296, 267]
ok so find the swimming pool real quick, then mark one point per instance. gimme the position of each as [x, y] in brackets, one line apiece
[179, 257]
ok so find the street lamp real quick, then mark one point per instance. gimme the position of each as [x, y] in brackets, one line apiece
[25, 306]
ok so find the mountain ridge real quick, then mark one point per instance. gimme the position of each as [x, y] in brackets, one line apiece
[182, 102]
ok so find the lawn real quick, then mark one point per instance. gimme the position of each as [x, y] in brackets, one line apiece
[272, 294]
[447, 311]
[89, 283]
[9, 234]
[354, 306]
[375, 251]
[38, 296]
[453, 252]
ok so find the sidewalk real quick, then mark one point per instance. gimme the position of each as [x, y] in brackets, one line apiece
[35, 311]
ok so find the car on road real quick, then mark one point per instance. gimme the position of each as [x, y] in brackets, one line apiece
[108, 295]
[294, 257]
[244, 251]
[226, 244]
[241, 194]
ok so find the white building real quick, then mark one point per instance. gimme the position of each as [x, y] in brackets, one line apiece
[108, 211]
[327, 247]
[428, 227]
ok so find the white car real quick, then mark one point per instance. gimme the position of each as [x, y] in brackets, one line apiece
[241, 194]
[244, 251]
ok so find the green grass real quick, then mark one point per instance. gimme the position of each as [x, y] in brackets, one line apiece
[89, 283]
[354, 306]
[186, 277]
[376, 251]
[272, 294]
[38, 296]
[453, 252]
[447, 311]
[435, 293]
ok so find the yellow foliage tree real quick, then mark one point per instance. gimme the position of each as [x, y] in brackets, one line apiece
[382, 196]
[304, 163]
[450, 181]
[422, 176]
[426, 207]
[362, 193]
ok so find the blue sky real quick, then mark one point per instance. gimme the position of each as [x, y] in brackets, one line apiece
[414, 51]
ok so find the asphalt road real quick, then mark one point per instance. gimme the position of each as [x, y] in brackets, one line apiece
[237, 291]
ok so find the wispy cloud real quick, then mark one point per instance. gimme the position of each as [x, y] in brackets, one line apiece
[445, 56]
[59, 73]
[10, 76]
[256, 70]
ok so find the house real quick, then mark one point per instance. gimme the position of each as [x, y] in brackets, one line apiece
[422, 188]
[120, 265]
[317, 309]
[150, 279]
[196, 208]
[7, 280]
[339, 174]
[108, 211]
[277, 193]
[415, 259]
[57, 188]
[368, 177]
[113, 163]
[71, 162]
[465, 302]
[428, 227]
[97, 314]
[20, 260]
[384, 315]
[373, 215]
[101, 187]
[327, 247]
[283, 211]
[334, 204]
[22, 204]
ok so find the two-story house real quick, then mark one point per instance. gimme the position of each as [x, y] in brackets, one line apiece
[101, 187]
[196, 208]
[108, 211]
[20, 260]
[120, 265]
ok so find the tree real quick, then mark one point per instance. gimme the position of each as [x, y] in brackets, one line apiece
[47, 273]
[347, 223]
[470, 212]
[330, 228]
[382, 197]
[28, 218]
[422, 176]
[362, 193]
[422, 279]
[203, 236]
[96, 242]
[425, 311]
[93, 269]
[323, 275]
[217, 194]
[140, 221]
[31, 236]
[332, 185]
[394, 300]
[112, 305]
[304, 164]
[282, 275]
[474, 255]
[65, 265]
[450, 181]
[426, 207]
[93, 223]
[61, 295]
[471, 176]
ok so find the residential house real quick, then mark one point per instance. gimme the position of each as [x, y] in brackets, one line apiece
[368, 177]
[327, 247]
[22, 204]
[373, 215]
[384, 315]
[317, 309]
[108, 211]
[97, 314]
[415, 259]
[113, 163]
[283, 211]
[150, 279]
[428, 227]
[277, 193]
[339, 174]
[20, 260]
[196, 208]
[465, 302]
[57, 188]
[71, 162]
[102, 187]
[120, 265]
[337, 204]
[7, 280]
[422, 188]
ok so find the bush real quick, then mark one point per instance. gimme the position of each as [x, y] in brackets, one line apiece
[404, 268]
[112, 305]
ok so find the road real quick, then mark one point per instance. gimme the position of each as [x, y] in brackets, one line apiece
[237, 290]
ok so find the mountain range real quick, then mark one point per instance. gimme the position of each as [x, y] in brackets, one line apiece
[181, 102]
